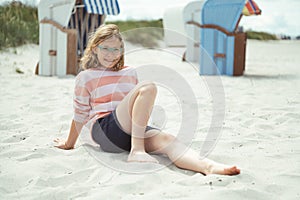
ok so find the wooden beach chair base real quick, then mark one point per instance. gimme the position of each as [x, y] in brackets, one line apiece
[240, 41]
[66, 56]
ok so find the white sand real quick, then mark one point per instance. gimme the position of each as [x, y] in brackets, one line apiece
[261, 133]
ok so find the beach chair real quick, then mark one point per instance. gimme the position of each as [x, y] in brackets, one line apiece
[223, 47]
[174, 31]
[177, 33]
[54, 39]
[192, 12]
[64, 29]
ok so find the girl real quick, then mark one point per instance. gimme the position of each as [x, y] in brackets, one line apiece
[116, 108]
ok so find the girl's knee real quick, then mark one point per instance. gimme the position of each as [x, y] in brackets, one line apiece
[171, 138]
[148, 88]
[168, 138]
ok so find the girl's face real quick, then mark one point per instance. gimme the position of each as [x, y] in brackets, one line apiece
[109, 52]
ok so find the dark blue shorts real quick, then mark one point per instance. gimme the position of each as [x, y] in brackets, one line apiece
[108, 133]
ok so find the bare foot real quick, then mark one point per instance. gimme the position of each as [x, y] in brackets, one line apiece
[140, 156]
[223, 170]
[232, 170]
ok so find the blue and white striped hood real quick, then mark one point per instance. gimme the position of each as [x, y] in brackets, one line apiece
[102, 7]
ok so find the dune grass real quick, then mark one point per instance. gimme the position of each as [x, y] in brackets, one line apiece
[18, 25]
[260, 35]
[145, 33]
[132, 24]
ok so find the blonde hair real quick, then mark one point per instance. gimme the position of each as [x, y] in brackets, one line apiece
[104, 32]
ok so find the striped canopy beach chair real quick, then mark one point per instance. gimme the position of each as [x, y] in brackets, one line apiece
[88, 15]
[64, 29]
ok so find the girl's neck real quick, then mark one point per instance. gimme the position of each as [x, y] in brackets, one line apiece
[102, 68]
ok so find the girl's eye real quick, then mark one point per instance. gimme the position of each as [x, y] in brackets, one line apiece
[110, 50]
[116, 50]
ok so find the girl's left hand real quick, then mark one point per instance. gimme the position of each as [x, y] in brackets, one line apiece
[61, 144]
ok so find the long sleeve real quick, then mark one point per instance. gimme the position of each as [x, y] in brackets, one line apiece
[81, 101]
[98, 92]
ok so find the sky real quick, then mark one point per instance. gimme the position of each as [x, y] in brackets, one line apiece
[278, 16]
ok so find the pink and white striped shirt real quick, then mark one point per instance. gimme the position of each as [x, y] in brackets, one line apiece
[98, 92]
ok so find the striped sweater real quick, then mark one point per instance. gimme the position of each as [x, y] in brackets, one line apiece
[98, 92]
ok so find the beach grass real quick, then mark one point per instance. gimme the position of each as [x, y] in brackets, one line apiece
[133, 24]
[260, 35]
[18, 25]
[145, 33]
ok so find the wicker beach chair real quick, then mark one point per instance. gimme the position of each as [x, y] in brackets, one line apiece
[223, 46]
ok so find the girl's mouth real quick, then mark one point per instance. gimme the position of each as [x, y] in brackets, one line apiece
[114, 60]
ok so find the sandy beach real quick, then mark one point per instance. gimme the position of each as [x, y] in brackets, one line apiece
[260, 131]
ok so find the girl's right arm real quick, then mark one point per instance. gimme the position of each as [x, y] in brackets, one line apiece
[82, 107]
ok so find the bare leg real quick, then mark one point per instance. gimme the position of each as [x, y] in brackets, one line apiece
[185, 158]
[133, 114]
